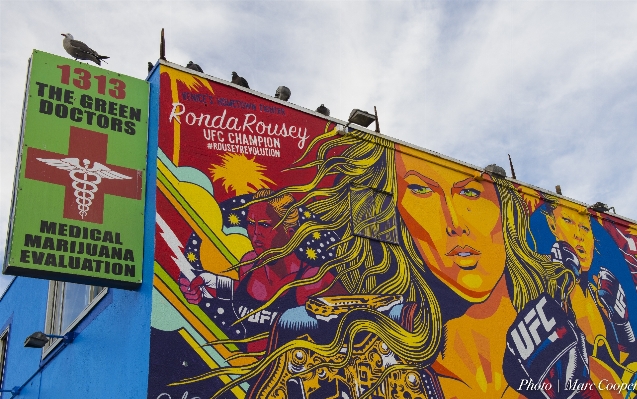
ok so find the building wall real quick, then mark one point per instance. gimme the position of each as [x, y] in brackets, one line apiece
[112, 345]
[14, 311]
[380, 267]
[442, 279]
[110, 356]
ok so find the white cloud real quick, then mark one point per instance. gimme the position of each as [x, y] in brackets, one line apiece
[552, 83]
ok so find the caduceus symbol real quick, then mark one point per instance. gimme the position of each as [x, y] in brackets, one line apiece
[85, 189]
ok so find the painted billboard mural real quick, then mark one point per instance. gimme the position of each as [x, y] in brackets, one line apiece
[294, 260]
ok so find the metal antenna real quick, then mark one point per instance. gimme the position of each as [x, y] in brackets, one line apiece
[377, 125]
[162, 46]
[512, 170]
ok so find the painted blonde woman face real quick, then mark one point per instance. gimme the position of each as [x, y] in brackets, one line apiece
[574, 228]
[455, 222]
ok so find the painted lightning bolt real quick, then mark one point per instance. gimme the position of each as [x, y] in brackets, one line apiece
[175, 245]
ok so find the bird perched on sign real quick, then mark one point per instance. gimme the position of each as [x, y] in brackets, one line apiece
[238, 80]
[81, 51]
[194, 67]
[150, 66]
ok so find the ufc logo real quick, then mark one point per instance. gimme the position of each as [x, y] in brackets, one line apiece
[557, 254]
[527, 335]
[261, 317]
[620, 302]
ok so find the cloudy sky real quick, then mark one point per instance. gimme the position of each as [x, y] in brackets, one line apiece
[553, 83]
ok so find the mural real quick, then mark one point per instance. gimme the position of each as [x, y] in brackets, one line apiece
[294, 260]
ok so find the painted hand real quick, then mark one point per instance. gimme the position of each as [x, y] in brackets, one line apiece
[204, 285]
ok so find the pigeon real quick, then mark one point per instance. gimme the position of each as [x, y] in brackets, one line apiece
[283, 93]
[150, 66]
[238, 80]
[81, 51]
[322, 109]
[194, 67]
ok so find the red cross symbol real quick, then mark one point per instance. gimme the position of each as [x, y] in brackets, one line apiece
[84, 145]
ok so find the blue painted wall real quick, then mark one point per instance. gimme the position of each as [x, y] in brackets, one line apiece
[109, 358]
[112, 345]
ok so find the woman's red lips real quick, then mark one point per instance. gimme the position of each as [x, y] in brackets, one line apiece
[463, 251]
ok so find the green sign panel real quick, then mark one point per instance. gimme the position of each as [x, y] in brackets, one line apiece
[78, 205]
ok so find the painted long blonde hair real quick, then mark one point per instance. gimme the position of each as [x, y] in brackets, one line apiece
[364, 266]
[283, 205]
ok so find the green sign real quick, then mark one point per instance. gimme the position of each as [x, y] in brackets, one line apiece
[78, 207]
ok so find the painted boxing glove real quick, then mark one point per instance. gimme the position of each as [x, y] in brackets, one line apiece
[564, 253]
[546, 354]
[611, 295]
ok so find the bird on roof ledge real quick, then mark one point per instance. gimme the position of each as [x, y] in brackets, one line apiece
[322, 109]
[194, 67]
[81, 51]
[283, 93]
[238, 80]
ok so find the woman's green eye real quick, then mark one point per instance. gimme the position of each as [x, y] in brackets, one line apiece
[470, 192]
[418, 189]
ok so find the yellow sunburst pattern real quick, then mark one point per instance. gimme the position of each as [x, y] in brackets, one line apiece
[233, 219]
[632, 229]
[191, 257]
[240, 174]
[311, 253]
[531, 197]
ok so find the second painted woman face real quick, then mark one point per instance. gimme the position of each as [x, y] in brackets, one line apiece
[264, 229]
[456, 224]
